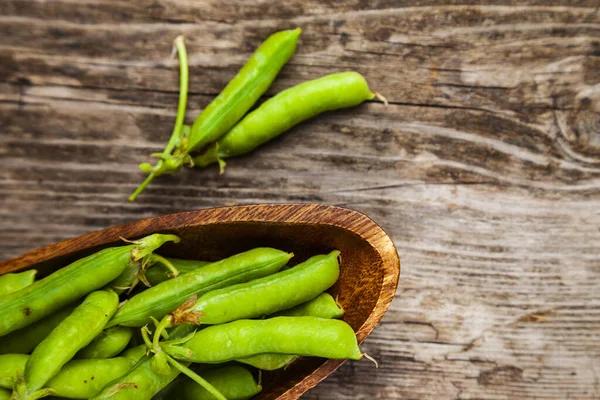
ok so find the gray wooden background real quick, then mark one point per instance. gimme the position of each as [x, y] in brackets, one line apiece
[484, 169]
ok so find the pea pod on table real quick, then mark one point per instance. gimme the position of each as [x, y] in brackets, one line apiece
[306, 336]
[165, 297]
[42, 298]
[285, 110]
[71, 335]
[251, 82]
[13, 282]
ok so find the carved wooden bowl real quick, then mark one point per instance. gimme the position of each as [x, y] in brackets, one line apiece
[370, 267]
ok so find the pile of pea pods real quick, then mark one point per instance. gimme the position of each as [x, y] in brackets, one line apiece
[226, 129]
[127, 323]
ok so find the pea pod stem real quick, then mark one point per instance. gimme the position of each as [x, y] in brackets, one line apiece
[161, 167]
[155, 258]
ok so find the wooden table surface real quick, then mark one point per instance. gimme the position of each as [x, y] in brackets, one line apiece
[484, 168]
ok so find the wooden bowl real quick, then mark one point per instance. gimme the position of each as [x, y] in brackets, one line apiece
[370, 267]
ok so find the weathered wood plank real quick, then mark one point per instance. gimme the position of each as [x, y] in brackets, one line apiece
[485, 169]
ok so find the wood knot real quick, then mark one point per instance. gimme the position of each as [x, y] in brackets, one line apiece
[500, 375]
[584, 122]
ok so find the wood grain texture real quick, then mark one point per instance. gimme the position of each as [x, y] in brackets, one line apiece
[369, 264]
[484, 169]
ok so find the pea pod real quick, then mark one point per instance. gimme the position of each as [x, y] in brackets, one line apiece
[78, 379]
[306, 336]
[233, 381]
[156, 275]
[285, 110]
[269, 294]
[82, 379]
[24, 340]
[108, 344]
[11, 366]
[42, 298]
[165, 297]
[71, 335]
[251, 82]
[140, 383]
[135, 353]
[12, 282]
[323, 306]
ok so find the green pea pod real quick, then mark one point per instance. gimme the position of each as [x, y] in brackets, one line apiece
[269, 361]
[71, 335]
[165, 297]
[135, 353]
[323, 306]
[24, 340]
[4, 394]
[108, 344]
[12, 282]
[78, 379]
[82, 379]
[233, 381]
[269, 294]
[11, 366]
[251, 82]
[285, 110]
[306, 336]
[42, 298]
[156, 274]
[140, 383]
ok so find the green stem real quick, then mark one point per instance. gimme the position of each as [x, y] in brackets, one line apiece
[183, 91]
[178, 128]
[39, 394]
[143, 185]
[157, 258]
[164, 324]
[146, 338]
[196, 378]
